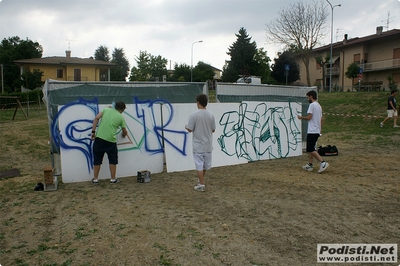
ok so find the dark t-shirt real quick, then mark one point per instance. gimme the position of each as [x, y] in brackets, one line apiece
[391, 99]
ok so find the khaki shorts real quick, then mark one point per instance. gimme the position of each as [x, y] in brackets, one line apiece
[392, 113]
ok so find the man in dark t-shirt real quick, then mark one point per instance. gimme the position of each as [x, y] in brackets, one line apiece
[391, 109]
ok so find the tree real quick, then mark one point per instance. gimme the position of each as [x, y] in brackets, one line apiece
[120, 71]
[243, 53]
[102, 54]
[158, 67]
[181, 73]
[264, 70]
[149, 67]
[300, 25]
[142, 71]
[202, 72]
[352, 71]
[32, 80]
[279, 68]
[12, 49]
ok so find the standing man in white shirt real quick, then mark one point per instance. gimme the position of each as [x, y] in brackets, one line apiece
[202, 125]
[314, 118]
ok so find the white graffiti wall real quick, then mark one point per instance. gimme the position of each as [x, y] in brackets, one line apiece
[248, 131]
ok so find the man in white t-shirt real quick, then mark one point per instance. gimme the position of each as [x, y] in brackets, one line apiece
[314, 117]
[202, 125]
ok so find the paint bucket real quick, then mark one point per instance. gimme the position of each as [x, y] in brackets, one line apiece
[143, 176]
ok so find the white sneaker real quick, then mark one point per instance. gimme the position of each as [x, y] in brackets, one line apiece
[396, 126]
[323, 166]
[381, 124]
[200, 188]
[308, 167]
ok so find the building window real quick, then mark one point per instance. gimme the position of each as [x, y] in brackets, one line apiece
[396, 61]
[396, 53]
[60, 73]
[77, 74]
[103, 75]
[357, 58]
[396, 77]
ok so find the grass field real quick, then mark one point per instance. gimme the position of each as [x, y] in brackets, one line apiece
[356, 116]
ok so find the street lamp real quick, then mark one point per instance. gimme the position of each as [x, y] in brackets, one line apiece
[330, 59]
[191, 63]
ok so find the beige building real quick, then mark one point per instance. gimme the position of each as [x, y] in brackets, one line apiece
[377, 55]
[217, 73]
[68, 68]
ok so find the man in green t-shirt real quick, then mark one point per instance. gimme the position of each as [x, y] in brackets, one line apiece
[105, 141]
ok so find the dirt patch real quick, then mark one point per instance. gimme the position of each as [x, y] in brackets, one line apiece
[261, 213]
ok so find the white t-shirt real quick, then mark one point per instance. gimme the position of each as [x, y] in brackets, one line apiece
[314, 125]
[202, 123]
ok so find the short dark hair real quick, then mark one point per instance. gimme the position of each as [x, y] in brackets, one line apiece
[313, 94]
[120, 106]
[393, 91]
[202, 99]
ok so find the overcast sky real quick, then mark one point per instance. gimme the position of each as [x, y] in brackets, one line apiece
[170, 27]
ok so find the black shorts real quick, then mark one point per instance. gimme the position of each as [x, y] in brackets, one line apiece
[311, 142]
[101, 146]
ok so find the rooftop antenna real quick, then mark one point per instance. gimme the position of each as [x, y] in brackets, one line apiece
[387, 21]
[69, 43]
[337, 32]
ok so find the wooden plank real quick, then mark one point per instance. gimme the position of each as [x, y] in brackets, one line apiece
[9, 173]
[9, 97]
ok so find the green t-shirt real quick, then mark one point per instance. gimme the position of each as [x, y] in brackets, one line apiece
[109, 124]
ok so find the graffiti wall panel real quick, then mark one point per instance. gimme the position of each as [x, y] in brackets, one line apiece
[223, 151]
[73, 136]
[271, 130]
[75, 123]
[178, 142]
[142, 148]
[180, 158]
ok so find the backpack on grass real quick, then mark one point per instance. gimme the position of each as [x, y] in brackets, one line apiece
[328, 150]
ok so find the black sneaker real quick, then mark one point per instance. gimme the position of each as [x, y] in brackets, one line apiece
[95, 181]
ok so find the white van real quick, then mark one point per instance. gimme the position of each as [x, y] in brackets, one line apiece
[250, 80]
